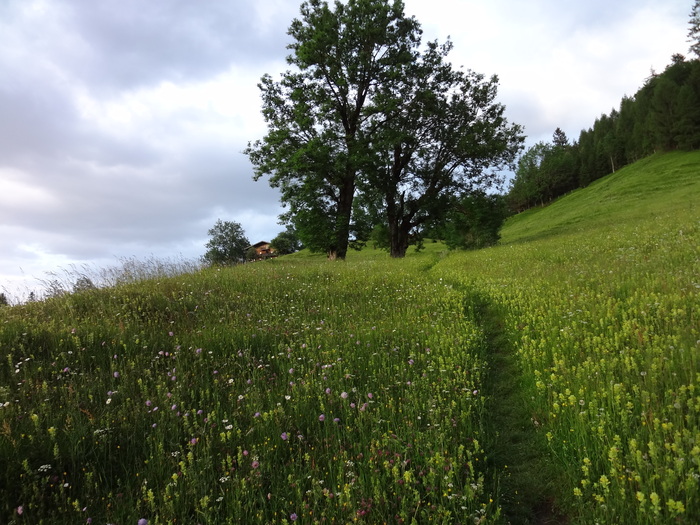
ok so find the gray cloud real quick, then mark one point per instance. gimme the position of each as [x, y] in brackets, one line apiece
[123, 121]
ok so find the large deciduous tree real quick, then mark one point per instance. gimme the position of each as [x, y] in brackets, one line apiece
[444, 135]
[318, 116]
[368, 113]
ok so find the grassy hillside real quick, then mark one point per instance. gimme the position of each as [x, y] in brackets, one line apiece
[598, 299]
[660, 184]
[550, 379]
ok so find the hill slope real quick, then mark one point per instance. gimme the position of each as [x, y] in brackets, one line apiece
[551, 379]
[596, 358]
[662, 183]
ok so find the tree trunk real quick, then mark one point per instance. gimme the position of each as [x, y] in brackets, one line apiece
[400, 241]
[342, 231]
[398, 238]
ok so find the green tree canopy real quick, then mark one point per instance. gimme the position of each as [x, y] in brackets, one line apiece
[286, 242]
[475, 220]
[694, 31]
[444, 135]
[228, 244]
[369, 114]
[318, 117]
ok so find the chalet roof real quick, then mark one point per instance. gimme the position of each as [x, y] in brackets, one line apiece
[258, 244]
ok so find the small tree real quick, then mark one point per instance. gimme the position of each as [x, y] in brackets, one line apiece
[286, 242]
[3, 300]
[228, 244]
[475, 221]
[251, 254]
[83, 283]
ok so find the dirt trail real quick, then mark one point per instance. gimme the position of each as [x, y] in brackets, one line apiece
[523, 473]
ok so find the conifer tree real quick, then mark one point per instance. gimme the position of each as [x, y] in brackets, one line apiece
[694, 32]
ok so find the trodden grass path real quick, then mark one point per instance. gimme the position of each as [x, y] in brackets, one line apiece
[523, 473]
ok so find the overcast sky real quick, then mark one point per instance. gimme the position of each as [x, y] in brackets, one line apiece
[122, 122]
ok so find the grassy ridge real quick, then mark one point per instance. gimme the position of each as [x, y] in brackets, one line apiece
[374, 390]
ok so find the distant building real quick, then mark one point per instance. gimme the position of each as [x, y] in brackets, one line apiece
[263, 250]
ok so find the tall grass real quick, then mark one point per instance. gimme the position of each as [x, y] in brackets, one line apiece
[261, 393]
[605, 323]
[299, 390]
[79, 277]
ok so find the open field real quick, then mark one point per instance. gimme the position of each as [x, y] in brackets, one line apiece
[553, 378]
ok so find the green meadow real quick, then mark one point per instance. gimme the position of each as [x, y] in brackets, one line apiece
[554, 378]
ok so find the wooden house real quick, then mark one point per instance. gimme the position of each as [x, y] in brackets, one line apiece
[263, 250]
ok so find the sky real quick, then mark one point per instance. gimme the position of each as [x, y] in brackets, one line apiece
[123, 122]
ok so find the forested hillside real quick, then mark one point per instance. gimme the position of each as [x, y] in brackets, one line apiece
[664, 115]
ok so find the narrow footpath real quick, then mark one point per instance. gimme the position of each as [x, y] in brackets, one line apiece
[522, 472]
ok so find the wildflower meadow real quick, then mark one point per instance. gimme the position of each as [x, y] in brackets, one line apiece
[298, 390]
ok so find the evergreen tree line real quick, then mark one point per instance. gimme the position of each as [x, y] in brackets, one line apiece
[663, 115]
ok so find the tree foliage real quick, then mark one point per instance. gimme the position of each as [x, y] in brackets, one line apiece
[319, 122]
[227, 245]
[663, 115]
[475, 220]
[694, 31]
[286, 242]
[372, 129]
[444, 135]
